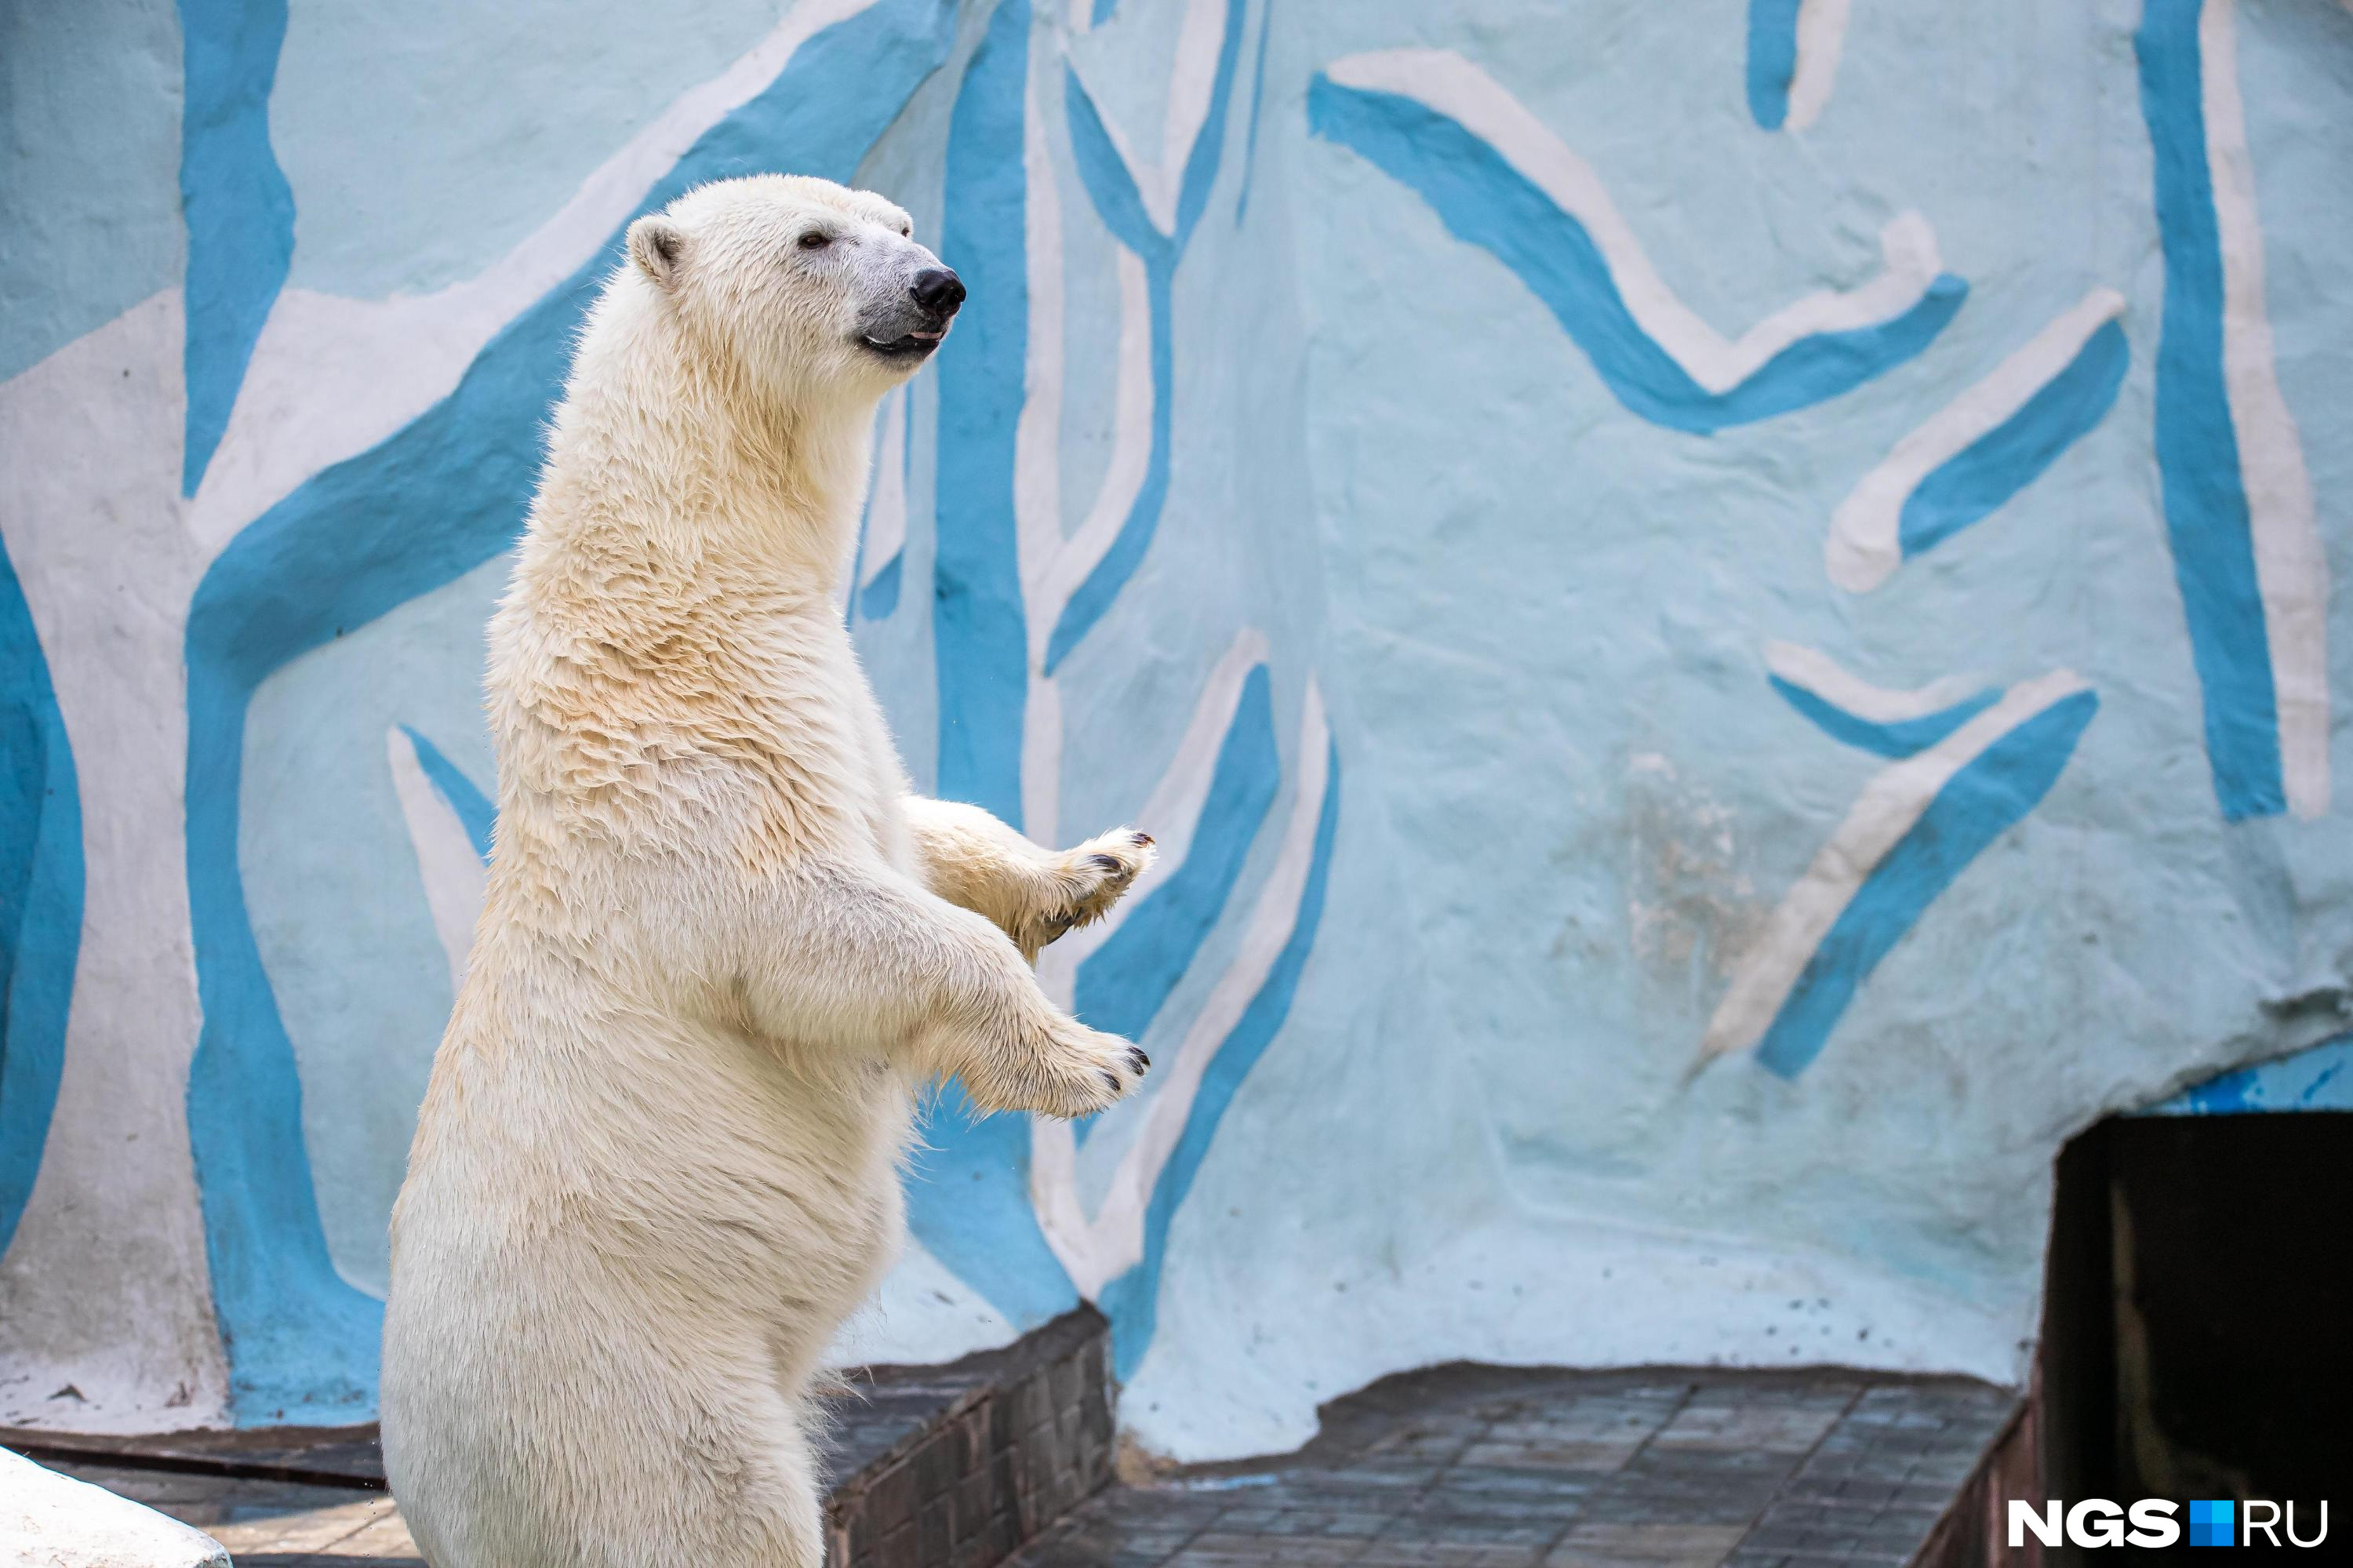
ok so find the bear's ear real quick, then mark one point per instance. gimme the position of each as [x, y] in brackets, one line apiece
[657, 245]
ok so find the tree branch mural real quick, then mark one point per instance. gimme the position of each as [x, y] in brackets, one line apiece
[1379, 378]
[1015, 596]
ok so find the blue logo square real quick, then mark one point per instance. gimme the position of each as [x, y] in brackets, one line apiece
[2210, 1521]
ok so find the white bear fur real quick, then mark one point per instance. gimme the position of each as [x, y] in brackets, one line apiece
[721, 947]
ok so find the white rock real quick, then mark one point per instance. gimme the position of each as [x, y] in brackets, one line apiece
[48, 1520]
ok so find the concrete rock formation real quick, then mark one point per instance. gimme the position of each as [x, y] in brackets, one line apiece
[1721, 615]
[48, 1520]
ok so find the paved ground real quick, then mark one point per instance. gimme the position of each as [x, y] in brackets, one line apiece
[1456, 1467]
[1488, 1468]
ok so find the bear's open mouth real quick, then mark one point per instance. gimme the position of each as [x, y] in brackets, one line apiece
[909, 346]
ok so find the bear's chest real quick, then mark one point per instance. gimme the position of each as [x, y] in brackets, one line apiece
[778, 738]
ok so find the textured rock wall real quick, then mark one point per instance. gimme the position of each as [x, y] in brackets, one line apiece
[1722, 613]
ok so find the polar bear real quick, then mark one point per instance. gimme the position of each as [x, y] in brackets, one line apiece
[721, 947]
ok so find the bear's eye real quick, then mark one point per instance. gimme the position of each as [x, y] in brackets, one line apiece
[906, 231]
[815, 240]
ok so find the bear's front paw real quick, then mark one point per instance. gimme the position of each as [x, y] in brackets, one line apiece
[1081, 1071]
[1082, 883]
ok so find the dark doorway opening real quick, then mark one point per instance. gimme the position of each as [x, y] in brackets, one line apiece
[2198, 1321]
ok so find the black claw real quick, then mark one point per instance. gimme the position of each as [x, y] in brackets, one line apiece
[1103, 861]
[1111, 1078]
[1136, 1058]
[1142, 839]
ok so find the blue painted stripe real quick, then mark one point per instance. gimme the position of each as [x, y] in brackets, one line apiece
[474, 811]
[857, 562]
[1977, 805]
[1101, 586]
[1483, 200]
[1772, 60]
[980, 641]
[880, 599]
[1122, 985]
[1902, 738]
[2197, 451]
[446, 493]
[1104, 174]
[1132, 1301]
[1980, 477]
[1210, 147]
[40, 898]
[238, 209]
[1258, 100]
[2314, 1078]
[968, 1202]
[2332, 1089]
[968, 1198]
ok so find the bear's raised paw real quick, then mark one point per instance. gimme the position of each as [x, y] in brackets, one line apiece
[1081, 1071]
[1082, 883]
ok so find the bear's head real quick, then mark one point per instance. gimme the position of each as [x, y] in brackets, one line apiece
[805, 288]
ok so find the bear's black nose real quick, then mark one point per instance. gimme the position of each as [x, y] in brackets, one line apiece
[938, 291]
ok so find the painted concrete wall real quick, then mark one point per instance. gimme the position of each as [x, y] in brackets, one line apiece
[1722, 613]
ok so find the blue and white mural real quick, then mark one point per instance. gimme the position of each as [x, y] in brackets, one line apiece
[1804, 528]
[2315, 1078]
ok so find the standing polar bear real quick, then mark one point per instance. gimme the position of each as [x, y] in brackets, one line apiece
[722, 946]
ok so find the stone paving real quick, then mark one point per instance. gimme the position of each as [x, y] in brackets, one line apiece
[1455, 1467]
[952, 1465]
[1490, 1468]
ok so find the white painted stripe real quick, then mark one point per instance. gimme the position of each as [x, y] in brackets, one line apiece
[886, 505]
[92, 432]
[1818, 674]
[330, 377]
[2291, 571]
[1041, 762]
[1038, 443]
[1037, 435]
[1881, 816]
[1169, 815]
[1097, 1250]
[1453, 86]
[1821, 38]
[1059, 574]
[452, 872]
[1865, 545]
